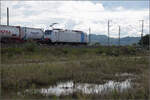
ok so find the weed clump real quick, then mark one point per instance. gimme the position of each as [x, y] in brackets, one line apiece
[30, 46]
[116, 51]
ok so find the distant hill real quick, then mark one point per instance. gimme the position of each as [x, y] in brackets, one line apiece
[103, 40]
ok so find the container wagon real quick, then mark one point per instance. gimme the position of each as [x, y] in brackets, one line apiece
[32, 33]
[10, 33]
[19, 34]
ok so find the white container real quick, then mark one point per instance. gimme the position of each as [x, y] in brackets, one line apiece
[9, 31]
[32, 33]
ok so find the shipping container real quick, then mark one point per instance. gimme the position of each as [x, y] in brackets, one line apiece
[32, 33]
[9, 31]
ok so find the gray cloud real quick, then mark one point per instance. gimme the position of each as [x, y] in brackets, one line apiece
[76, 15]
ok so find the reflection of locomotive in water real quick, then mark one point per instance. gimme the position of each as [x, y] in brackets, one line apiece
[59, 36]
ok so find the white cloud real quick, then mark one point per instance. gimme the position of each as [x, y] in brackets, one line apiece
[76, 15]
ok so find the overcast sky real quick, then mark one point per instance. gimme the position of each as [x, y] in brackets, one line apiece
[81, 15]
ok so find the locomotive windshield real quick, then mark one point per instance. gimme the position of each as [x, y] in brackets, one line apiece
[48, 32]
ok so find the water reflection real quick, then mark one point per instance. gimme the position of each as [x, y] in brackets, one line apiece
[69, 87]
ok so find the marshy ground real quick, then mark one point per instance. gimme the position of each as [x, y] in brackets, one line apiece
[35, 67]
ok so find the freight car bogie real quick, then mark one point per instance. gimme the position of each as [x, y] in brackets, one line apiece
[10, 40]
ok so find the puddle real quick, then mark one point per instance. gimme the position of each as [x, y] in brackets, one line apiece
[70, 87]
[125, 74]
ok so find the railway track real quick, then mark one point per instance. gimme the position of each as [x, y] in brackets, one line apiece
[6, 45]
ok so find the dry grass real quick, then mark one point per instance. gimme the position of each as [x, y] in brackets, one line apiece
[23, 69]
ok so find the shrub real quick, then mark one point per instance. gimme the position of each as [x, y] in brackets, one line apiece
[129, 50]
[10, 52]
[30, 46]
[112, 51]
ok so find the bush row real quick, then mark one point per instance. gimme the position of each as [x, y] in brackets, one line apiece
[100, 50]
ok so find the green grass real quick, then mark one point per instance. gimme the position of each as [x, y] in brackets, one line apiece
[31, 52]
[105, 68]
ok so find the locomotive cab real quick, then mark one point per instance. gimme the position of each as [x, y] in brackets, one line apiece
[47, 35]
[48, 32]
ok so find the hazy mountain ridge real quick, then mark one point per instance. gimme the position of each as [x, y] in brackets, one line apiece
[103, 40]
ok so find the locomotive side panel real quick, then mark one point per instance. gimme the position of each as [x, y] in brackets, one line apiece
[85, 38]
[68, 36]
[54, 36]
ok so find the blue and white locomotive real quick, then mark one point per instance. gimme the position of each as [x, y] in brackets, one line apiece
[66, 36]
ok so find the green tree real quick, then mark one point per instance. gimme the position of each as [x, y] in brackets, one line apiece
[145, 41]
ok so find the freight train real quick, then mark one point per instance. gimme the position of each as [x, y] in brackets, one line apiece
[53, 36]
